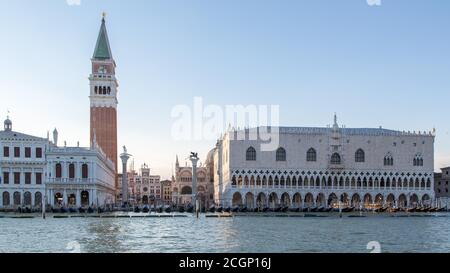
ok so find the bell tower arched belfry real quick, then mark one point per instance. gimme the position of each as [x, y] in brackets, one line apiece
[103, 97]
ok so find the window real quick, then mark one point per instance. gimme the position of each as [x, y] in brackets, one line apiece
[336, 159]
[6, 151]
[16, 178]
[58, 170]
[251, 154]
[418, 160]
[281, 154]
[28, 178]
[72, 171]
[6, 178]
[16, 151]
[39, 178]
[27, 152]
[38, 152]
[360, 156]
[388, 160]
[311, 155]
[84, 171]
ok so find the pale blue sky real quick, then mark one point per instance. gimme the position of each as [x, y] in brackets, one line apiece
[375, 66]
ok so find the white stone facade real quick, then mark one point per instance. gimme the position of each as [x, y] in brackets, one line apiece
[79, 177]
[22, 169]
[320, 166]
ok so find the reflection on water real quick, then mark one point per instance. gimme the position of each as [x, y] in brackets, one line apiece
[238, 234]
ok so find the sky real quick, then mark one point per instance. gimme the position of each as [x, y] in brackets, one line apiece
[374, 65]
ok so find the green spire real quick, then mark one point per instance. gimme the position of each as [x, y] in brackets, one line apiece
[102, 49]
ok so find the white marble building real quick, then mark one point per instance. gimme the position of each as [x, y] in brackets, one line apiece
[322, 166]
[22, 169]
[79, 177]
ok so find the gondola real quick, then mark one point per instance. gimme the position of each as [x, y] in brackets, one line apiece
[235, 209]
[212, 209]
[145, 209]
[63, 210]
[90, 210]
[219, 209]
[137, 209]
[442, 209]
[321, 209]
[328, 209]
[305, 210]
[227, 210]
[348, 209]
[285, 209]
[190, 209]
[181, 209]
[411, 210]
[294, 209]
[168, 209]
[265, 209]
[73, 210]
[243, 209]
[81, 210]
[159, 209]
[100, 210]
[314, 209]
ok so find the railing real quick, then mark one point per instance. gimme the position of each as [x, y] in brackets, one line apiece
[70, 180]
[249, 187]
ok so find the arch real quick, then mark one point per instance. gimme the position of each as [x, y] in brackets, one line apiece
[258, 181]
[38, 199]
[250, 200]
[270, 182]
[356, 200]
[285, 199]
[414, 200]
[368, 200]
[360, 156]
[273, 200]
[233, 181]
[281, 154]
[297, 200]
[264, 182]
[390, 200]
[250, 155]
[240, 181]
[379, 199]
[72, 199]
[294, 182]
[311, 155]
[332, 200]
[344, 199]
[84, 198]
[422, 184]
[246, 182]
[335, 159]
[426, 200]
[320, 200]
[58, 198]
[317, 182]
[186, 190]
[6, 199]
[17, 199]
[145, 200]
[309, 200]
[402, 201]
[261, 200]
[27, 198]
[58, 170]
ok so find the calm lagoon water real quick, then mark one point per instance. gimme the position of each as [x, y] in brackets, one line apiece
[237, 234]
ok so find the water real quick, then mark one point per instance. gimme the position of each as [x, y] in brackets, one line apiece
[237, 234]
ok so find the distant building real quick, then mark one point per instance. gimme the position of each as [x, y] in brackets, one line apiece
[22, 169]
[182, 185]
[441, 183]
[147, 187]
[166, 189]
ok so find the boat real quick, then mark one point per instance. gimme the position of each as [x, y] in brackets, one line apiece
[411, 210]
[321, 209]
[235, 209]
[284, 209]
[73, 210]
[168, 209]
[81, 210]
[277, 209]
[100, 210]
[265, 209]
[381, 210]
[227, 210]
[145, 209]
[90, 210]
[328, 209]
[219, 209]
[243, 209]
[305, 209]
[294, 209]
[159, 209]
[190, 209]
[314, 209]
[348, 209]
[181, 209]
[442, 209]
[212, 209]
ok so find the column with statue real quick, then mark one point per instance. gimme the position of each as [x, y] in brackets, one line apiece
[125, 156]
[194, 159]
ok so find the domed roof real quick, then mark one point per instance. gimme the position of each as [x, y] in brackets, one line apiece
[8, 124]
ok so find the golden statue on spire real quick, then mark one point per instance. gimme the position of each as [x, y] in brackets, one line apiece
[103, 15]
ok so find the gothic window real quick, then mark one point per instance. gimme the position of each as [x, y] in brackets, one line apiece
[360, 156]
[96, 89]
[336, 159]
[251, 154]
[109, 90]
[418, 161]
[281, 154]
[6, 201]
[311, 155]
[388, 160]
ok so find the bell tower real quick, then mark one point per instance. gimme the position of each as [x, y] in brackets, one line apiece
[103, 96]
